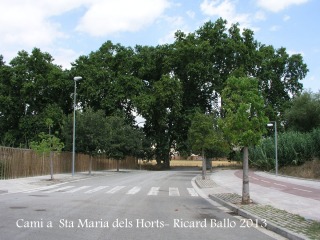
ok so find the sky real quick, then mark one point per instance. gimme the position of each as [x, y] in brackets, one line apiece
[68, 29]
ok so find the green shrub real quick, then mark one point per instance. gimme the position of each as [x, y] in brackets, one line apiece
[315, 142]
[294, 148]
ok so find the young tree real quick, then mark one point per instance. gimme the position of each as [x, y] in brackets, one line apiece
[202, 136]
[244, 122]
[47, 144]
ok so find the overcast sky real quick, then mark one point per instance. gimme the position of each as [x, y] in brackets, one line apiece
[70, 28]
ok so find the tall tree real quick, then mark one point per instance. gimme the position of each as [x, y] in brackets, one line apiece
[160, 105]
[32, 84]
[108, 80]
[245, 121]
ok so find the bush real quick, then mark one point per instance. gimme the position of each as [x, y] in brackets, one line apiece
[315, 142]
[294, 148]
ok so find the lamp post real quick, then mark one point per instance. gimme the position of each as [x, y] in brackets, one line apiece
[274, 123]
[74, 121]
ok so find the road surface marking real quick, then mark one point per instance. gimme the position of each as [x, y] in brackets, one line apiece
[96, 189]
[59, 189]
[77, 189]
[39, 189]
[278, 184]
[254, 178]
[134, 190]
[302, 190]
[173, 192]
[265, 181]
[115, 189]
[192, 192]
[154, 191]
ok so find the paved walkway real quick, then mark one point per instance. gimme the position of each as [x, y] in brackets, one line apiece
[288, 206]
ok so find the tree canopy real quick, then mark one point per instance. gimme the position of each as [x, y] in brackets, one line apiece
[165, 84]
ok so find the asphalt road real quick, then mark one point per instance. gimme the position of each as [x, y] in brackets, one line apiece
[124, 205]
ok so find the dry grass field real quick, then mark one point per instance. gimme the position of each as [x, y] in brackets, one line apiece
[197, 163]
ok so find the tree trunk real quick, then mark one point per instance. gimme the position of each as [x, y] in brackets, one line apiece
[118, 165]
[90, 165]
[245, 178]
[51, 165]
[204, 166]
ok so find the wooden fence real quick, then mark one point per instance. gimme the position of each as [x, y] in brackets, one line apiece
[16, 162]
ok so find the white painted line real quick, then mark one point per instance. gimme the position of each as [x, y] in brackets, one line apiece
[77, 189]
[96, 189]
[264, 181]
[302, 190]
[173, 192]
[40, 189]
[278, 184]
[154, 191]
[192, 192]
[59, 189]
[115, 189]
[254, 178]
[134, 190]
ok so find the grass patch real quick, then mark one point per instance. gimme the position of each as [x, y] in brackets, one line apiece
[314, 230]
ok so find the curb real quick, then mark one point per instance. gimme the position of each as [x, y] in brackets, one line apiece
[270, 226]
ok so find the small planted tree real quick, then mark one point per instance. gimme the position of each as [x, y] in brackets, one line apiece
[204, 137]
[47, 144]
[244, 120]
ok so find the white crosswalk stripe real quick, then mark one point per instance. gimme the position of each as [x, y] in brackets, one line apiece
[96, 189]
[134, 190]
[154, 191]
[192, 192]
[115, 189]
[40, 189]
[174, 192]
[77, 189]
[58, 189]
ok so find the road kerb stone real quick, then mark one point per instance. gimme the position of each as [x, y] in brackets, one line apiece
[246, 214]
[205, 183]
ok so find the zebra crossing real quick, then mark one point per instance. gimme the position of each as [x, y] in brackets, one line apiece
[128, 190]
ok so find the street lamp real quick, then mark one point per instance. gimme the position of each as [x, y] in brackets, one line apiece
[274, 123]
[74, 121]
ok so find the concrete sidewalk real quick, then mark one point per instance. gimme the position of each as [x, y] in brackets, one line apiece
[292, 216]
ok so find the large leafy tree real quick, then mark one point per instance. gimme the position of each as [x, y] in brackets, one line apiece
[108, 81]
[160, 105]
[32, 87]
[279, 77]
[244, 122]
